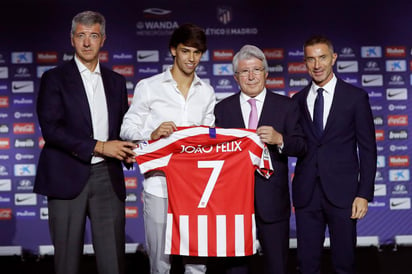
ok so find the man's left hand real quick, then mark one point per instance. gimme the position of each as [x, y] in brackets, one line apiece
[359, 208]
[269, 135]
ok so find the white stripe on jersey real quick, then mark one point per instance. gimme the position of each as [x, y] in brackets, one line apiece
[221, 235]
[184, 234]
[168, 240]
[239, 235]
[159, 162]
[254, 233]
[202, 235]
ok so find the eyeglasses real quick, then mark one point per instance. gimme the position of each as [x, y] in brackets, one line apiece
[245, 72]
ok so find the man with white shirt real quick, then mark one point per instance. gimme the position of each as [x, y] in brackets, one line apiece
[275, 118]
[161, 103]
[334, 180]
[80, 107]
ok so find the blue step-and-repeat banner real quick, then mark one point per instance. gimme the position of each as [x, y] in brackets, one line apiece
[374, 46]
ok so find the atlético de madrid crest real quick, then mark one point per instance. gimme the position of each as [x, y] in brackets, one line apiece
[224, 15]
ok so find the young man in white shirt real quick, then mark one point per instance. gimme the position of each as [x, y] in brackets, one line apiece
[161, 103]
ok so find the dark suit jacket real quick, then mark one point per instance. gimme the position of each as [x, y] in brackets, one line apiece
[272, 197]
[65, 121]
[344, 171]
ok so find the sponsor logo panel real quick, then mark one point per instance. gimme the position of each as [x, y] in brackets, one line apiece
[131, 182]
[396, 94]
[22, 57]
[131, 211]
[398, 160]
[371, 52]
[5, 184]
[222, 69]
[399, 175]
[297, 68]
[398, 120]
[395, 51]
[147, 56]
[274, 54]
[380, 190]
[400, 203]
[222, 55]
[347, 66]
[5, 214]
[25, 199]
[395, 65]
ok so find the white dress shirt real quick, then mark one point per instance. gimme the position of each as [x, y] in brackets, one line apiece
[93, 84]
[329, 91]
[245, 107]
[156, 100]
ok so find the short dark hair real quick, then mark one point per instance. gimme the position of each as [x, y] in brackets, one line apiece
[318, 39]
[189, 35]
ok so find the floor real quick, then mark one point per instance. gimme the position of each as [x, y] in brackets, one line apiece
[370, 260]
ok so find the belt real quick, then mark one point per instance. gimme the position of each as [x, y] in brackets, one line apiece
[99, 163]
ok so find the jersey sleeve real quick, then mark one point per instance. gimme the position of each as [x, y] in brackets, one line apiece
[149, 157]
[149, 164]
[262, 162]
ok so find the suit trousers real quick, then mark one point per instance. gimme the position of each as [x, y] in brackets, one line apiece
[311, 223]
[155, 215]
[106, 213]
[274, 240]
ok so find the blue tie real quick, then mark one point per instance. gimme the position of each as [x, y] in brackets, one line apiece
[318, 112]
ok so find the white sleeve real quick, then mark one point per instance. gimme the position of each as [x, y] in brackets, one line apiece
[209, 119]
[154, 164]
[134, 126]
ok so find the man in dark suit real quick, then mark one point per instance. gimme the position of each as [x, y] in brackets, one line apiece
[80, 108]
[277, 126]
[334, 180]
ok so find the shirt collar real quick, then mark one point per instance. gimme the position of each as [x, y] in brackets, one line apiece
[328, 88]
[82, 68]
[169, 78]
[260, 97]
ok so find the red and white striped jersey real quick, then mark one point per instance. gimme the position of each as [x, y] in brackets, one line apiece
[210, 183]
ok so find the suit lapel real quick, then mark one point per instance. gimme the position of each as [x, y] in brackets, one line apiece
[306, 114]
[269, 107]
[265, 109]
[75, 83]
[238, 113]
[107, 90]
[337, 100]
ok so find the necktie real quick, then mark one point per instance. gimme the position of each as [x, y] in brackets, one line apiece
[318, 112]
[253, 117]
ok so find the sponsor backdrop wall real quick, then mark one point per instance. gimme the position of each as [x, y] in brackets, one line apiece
[372, 39]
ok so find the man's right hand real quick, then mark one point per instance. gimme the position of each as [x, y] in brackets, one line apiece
[120, 150]
[164, 130]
